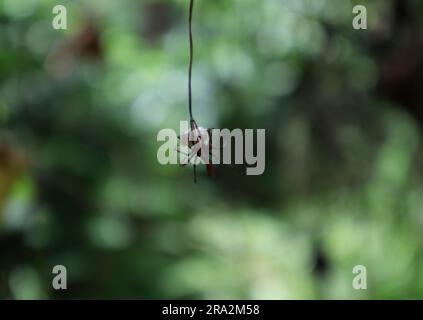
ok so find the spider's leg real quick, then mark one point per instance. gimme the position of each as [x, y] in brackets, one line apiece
[212, 149]
[179, 151]
[185, 154]
[193, 125]
[221, 143]
[187, 159]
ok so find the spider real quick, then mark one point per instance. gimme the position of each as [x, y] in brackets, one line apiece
[198, 143]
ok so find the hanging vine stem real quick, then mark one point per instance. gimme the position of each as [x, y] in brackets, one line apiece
[191, 57]
[196, 135]
[193, 124]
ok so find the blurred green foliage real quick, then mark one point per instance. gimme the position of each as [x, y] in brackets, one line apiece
[80, 184]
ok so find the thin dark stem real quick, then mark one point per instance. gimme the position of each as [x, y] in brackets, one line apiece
[191, 57]
[193, 124]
